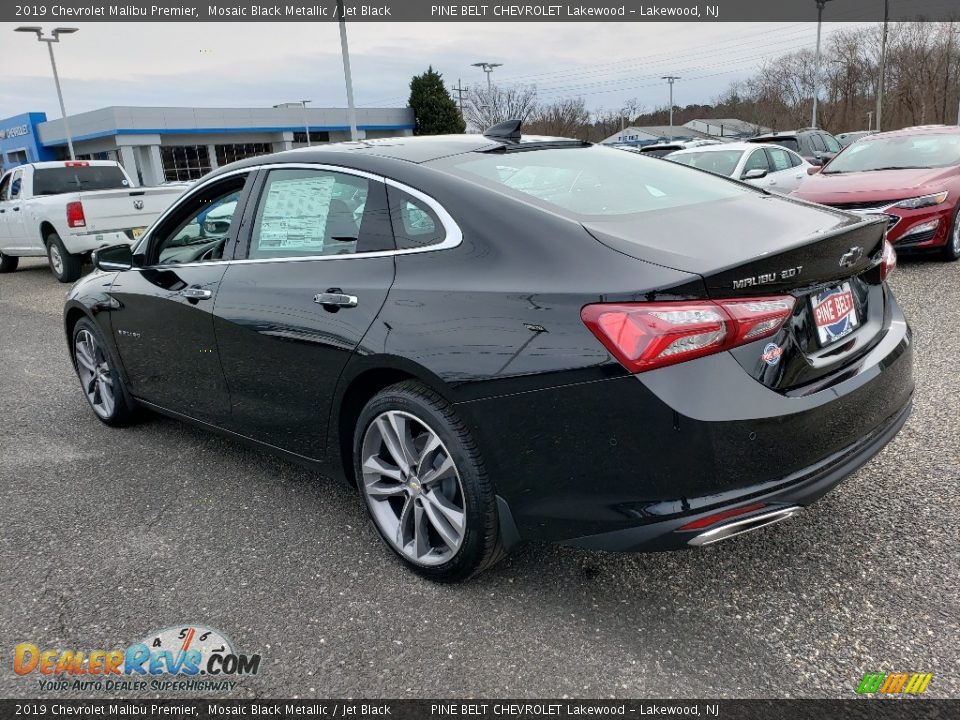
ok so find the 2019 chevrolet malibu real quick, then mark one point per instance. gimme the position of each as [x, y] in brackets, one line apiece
[500, 338]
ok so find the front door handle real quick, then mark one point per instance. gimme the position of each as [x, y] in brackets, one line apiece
[335, 299]
[196, 293]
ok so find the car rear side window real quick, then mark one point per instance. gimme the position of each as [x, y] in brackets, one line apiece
[305, 212]
[832, 145]
[591, 182]
[415, 224]
[779, 159]
[77, 178]
[817, 143]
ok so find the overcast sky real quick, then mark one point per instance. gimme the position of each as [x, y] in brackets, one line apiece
[259, 65]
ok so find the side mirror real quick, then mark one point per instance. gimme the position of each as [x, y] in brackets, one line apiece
[114, 258]
[816, 161]
[813, 170]
[754, 174]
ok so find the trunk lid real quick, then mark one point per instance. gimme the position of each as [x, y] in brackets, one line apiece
[762, 246]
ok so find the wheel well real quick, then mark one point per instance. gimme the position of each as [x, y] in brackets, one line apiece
[46, 230]
[357, 395]
[74, 315]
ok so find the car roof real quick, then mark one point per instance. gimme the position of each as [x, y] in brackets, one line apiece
[376, 154]
[917, 130]
[728, 146]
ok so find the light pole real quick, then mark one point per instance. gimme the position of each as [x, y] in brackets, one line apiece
[345, 51]
[54, 38]
[670, 79]
[306, 124]
[883, 62]
[869, 119]
[487, 68]
[816, 62]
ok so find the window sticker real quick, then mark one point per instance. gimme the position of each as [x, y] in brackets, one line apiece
[295, 214]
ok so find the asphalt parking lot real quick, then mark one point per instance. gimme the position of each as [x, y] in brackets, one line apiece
[108, 534]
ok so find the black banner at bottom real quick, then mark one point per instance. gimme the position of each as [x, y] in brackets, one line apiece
[865, 708]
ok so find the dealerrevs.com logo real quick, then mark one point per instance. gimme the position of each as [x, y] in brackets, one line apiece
[182, 658]
[894, 683]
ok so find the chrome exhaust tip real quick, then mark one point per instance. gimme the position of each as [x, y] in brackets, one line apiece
[743, 525]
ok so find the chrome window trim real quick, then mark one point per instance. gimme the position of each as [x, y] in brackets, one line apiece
[453, 234]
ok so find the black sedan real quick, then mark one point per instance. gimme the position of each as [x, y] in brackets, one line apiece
[502, 338]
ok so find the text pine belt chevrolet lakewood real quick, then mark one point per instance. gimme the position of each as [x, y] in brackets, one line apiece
[500, 338]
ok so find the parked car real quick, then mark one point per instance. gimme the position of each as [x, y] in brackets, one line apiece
[911, 176]
[848, 138]
[662, 149]
[770, 167]
[63, 210]
[521, 338]
[813, 145]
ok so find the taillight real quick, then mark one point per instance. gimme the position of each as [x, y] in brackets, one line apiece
[75, 216]
[644, 336]
[888, 261]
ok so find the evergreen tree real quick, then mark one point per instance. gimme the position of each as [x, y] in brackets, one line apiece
[434, 110]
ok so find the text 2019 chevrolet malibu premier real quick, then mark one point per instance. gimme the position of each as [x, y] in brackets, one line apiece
[500, 338]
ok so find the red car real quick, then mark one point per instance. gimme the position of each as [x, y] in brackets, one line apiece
[912, 176]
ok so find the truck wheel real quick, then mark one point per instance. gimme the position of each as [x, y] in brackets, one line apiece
[66, 267]
[8, 263]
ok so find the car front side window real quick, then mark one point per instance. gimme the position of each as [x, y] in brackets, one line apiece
[756, 161]
[200, 226]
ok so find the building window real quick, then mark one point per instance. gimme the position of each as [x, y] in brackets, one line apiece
[227, 154]
[316, 136]
[184, 162]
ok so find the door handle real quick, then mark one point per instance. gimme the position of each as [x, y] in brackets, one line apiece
[335, 298]
[196, 293]
[16, 209]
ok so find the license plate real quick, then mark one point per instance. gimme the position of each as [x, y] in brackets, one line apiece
[138, 233]
[834, 313]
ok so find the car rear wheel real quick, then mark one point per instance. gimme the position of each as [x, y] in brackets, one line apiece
[65, 267]
[8, 263]
[101, 384]
[951, 251]
[424, 484]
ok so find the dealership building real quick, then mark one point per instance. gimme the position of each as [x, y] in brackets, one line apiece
[168, 144]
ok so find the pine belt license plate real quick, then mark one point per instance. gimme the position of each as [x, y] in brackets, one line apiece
[834, 314]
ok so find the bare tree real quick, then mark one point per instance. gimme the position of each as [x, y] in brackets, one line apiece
[563, 118]
[486, 107]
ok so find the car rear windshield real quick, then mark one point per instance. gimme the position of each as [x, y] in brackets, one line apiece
[898, 153]
[593, 181]
[54, 181]
[790, 143]
[720, 162]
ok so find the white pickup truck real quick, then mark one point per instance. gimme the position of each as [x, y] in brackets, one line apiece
[63, 210]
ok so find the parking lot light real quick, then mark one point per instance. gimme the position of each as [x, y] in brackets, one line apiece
[54, 38]
[816, 62]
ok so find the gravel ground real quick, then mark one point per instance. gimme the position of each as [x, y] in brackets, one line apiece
[108, 534]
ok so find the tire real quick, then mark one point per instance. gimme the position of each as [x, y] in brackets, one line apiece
[8, 263]
[951, 251]
[64, 266]
[101, 383]
[439, 517]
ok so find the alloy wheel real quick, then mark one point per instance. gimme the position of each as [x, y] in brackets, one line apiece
[94, 371]
[956, 236]
[413, 488]
[55, 260]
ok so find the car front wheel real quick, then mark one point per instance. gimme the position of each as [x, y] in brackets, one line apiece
[424, 485]
[99, 379]
[951, 250]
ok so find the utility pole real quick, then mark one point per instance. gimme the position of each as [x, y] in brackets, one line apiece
[670, 79]
[816, 62]
[55, 38]
[883, 62]
[345, 51]
[459, 90]
[487, 68]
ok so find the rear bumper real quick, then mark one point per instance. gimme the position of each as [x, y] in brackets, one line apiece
[86, 242]
[666, 534]
[620, 464]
